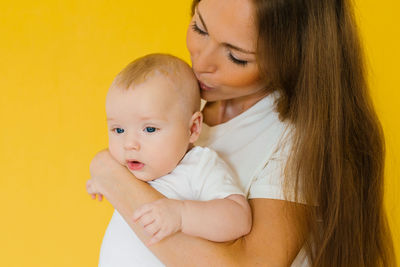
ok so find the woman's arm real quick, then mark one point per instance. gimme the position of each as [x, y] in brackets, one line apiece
[218, 220]
[272, 241]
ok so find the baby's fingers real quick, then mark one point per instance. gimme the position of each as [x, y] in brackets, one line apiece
[146, 219]
[142, 210]
[152, 228]
[157, 237]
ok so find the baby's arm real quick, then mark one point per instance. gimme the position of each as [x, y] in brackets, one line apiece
[217, 220]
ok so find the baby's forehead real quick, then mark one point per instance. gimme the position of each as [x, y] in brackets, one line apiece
[158, 87]
[148, 102]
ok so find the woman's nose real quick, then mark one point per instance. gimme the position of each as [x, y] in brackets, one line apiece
[204, 61]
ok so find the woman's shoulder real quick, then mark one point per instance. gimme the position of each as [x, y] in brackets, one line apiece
[260, 119]
[271, 180]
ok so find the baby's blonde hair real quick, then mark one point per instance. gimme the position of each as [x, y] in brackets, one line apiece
[177, 71]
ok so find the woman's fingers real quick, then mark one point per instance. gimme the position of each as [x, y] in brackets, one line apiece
[100, 197]
[92, 192]
[89, 187]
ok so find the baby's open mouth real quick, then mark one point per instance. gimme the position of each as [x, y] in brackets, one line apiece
[134, 165]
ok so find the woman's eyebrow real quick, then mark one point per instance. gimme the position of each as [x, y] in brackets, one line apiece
[238, 48]
[224, 44]
[201, 18]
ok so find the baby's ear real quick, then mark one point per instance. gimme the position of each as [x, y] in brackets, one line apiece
[195, 126]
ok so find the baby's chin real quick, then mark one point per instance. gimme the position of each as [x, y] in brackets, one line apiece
[145, 177]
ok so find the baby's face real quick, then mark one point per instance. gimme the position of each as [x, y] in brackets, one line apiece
[148, 132]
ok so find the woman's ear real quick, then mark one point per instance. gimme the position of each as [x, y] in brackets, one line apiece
[195, 126]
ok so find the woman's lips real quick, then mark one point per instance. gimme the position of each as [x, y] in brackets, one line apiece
[134, 165]
[204, 87]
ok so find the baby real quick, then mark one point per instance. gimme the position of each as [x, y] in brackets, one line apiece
[153, 116]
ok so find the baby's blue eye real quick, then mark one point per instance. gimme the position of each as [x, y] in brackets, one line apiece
[119, 130]
[150, 129]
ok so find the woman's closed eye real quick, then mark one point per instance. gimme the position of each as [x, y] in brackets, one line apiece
[236, 60]
[197, 29]
[232, 58]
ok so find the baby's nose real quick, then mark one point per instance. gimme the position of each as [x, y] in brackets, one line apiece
[132, 144]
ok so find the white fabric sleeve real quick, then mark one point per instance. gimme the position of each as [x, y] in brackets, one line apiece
[213, 179]
[269, 182]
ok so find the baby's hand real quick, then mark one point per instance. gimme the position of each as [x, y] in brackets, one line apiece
[92, 190]
[160, 218]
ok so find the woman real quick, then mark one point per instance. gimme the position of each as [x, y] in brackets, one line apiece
[318, 185]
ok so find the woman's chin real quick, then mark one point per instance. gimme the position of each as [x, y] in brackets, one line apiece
[209, 96]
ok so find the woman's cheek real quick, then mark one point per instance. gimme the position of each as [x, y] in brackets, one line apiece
[243, 78]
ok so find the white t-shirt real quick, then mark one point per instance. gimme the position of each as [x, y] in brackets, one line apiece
[250, 144]
[255, 144]
[201, 175]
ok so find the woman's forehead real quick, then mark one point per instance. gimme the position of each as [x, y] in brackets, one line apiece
[230, 21]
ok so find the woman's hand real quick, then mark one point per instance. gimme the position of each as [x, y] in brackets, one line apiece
[98, 170]
[92, 190]
[102, 170]
[102, 165]
[116, 183]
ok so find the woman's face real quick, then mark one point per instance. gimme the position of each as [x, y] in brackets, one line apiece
[222, 40]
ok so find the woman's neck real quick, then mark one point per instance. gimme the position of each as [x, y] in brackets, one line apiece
[221, 111]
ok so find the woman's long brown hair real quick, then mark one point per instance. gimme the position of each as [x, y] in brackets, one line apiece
[310, 51]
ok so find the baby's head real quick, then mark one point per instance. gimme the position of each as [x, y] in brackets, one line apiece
[153, 115]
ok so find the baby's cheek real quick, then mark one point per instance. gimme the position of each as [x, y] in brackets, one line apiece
[115, 151]
[159, 162]
[170, 162]
[167, 153]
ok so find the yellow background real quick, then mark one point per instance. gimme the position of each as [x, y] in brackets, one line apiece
[57, 59]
